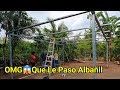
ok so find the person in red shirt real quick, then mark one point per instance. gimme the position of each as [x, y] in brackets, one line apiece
[33, 59]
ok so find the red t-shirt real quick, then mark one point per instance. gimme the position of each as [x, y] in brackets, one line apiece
[33, 58]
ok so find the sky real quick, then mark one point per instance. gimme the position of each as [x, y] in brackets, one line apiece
[75, 22]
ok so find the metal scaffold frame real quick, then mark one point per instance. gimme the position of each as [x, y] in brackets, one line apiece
[94, 18]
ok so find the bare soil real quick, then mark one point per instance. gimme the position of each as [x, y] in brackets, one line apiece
[111, 72]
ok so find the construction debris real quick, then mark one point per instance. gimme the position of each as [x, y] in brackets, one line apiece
[80, 61]
[117, 62]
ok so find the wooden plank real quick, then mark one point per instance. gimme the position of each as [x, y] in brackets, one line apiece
[117, 62]
[100, 62]
[80, 61]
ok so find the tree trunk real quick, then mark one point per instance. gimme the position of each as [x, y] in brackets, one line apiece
[110, 48]
[4, 53]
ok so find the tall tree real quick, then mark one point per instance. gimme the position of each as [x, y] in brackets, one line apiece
[11, 20]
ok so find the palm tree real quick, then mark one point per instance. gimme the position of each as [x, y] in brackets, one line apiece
[61, 27]
[54, 29]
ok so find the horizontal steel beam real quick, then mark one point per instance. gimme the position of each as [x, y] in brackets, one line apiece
[81, 42]
[28, 37]
[66, 31]
[48, 21]
[43, 40]
[32, 38]
[72, 36]
[66, 42]
[62, 32]
[81, 35]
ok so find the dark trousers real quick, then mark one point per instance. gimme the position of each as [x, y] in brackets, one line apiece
[53, 63]
[33, 64]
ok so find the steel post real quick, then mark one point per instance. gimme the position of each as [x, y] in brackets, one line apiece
[10, 51]
[93, 43]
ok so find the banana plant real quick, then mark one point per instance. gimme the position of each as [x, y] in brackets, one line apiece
[114, 22]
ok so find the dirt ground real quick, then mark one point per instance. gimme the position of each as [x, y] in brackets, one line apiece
[111, 72]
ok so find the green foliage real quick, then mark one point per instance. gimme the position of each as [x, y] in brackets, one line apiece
[101, 49]
[16, 19]
[11, 20]
[116, 48]
[115, 30]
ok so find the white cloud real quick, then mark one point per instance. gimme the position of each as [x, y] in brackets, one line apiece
[75, 22]
[56, 14]
[114, 13]
[2, 33]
